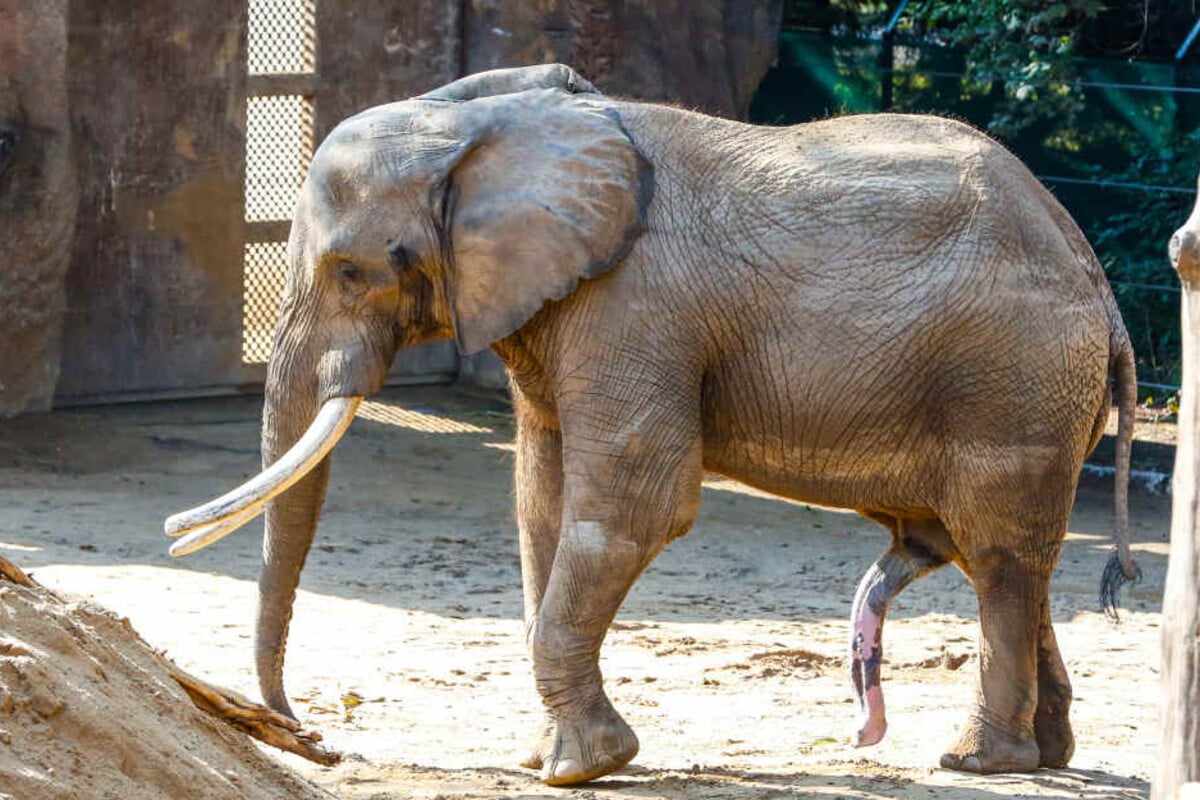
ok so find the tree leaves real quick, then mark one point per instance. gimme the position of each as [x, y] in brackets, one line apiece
[1020, 50]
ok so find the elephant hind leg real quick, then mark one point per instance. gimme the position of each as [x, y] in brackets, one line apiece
[918, 547]
[1051, 722]
[1012, 587]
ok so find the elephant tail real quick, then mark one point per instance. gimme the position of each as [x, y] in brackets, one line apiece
[1121, 568]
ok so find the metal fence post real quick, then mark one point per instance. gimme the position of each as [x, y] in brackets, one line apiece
[887, 60]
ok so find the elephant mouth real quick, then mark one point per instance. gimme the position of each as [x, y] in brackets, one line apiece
[205, 524]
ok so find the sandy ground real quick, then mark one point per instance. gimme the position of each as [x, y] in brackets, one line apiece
[729, 657]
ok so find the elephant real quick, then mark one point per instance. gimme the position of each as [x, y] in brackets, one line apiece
[884, 313]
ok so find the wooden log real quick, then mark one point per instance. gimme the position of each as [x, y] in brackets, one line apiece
[11, 572]
[253, 718]
[1179, 750]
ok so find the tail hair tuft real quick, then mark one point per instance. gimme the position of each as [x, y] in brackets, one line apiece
[1112, 580]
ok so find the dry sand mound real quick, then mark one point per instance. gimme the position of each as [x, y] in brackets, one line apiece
[88, 711]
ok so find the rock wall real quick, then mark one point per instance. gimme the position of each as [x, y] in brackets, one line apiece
[38, 196]
[703, 54]
[406, 48]
[157, 94]
[152, 96]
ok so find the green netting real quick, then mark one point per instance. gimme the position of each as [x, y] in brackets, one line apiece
[1125, 167]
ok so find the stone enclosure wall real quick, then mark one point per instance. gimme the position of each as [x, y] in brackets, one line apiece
[123, 156]
[38, 198]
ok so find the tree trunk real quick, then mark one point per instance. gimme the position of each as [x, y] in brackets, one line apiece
[1179, 751]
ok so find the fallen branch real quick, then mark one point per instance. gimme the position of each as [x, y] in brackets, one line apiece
[248, 717]
[12, 572]
[253, 718]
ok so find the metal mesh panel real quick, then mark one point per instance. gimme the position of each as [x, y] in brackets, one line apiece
[281, 37]
[279, 143]
[265, 268]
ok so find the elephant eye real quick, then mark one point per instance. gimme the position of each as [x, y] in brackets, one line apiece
[399, 256]
[348, 271]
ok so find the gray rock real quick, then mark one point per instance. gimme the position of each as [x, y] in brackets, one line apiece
[38, 198]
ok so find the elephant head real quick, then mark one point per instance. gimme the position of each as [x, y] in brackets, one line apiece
[455, 214]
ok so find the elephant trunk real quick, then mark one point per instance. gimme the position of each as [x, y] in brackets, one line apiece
[291, 521]
[296, 442]
[290, 415]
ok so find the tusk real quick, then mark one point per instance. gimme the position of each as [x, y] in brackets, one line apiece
[213, 517]
[207, 534]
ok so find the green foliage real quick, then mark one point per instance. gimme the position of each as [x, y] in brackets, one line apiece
[1021, 55]
[1132, 245]
[828, 15]
[1020, 51]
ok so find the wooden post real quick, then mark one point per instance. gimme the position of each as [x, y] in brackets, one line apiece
[1179, 751]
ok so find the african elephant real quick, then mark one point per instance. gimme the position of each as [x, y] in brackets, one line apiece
[884, 313]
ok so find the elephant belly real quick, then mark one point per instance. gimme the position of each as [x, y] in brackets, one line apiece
[837, 452]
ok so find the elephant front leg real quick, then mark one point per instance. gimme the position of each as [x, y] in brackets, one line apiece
[588, 738]
[621, 508]
[905, 561]
[538, 486]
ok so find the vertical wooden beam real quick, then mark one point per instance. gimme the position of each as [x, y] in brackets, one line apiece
[1179, 751]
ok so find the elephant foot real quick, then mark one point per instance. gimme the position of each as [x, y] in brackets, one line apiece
[984, 748]
[541, 746]
[588, 748]
[1055, 740]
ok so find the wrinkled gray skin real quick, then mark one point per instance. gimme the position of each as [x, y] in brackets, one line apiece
[882, 313]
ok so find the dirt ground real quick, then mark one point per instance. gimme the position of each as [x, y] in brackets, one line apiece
[729, 657]
[89, 711]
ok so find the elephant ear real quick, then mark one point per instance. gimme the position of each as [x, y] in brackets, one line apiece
[551, 191]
